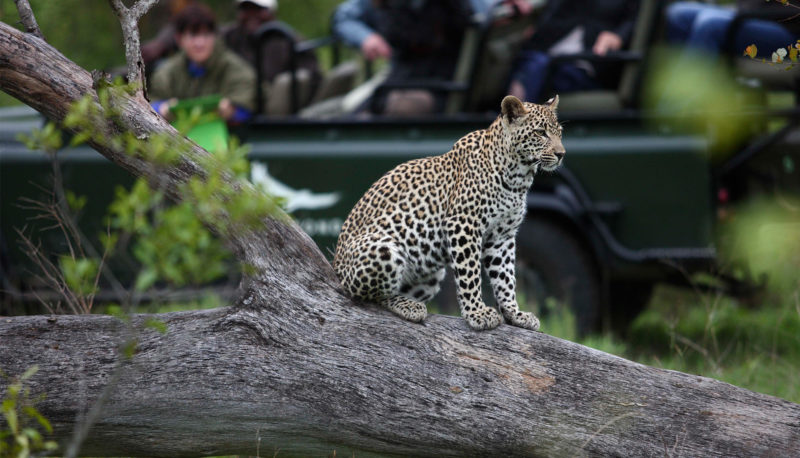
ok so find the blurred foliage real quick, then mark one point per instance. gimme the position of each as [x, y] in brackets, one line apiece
[696, 94]
[764, 236]
[92, 38]
[171, 244]
[753, 342]
[168, 241]
[21, 436]
[754, 348]
[708, 334]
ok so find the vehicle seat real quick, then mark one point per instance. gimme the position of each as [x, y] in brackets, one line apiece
[486, 59]
[337, 81]
[278, 93]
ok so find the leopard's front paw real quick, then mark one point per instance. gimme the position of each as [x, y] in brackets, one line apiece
[525, 320]
[485, 318]
[408, 309]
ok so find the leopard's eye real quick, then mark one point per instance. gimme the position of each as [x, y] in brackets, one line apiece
[540, 132]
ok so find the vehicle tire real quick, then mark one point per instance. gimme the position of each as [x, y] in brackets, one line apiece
[551, 263]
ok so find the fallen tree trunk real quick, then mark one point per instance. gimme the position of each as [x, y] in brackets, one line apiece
[294, 366]
[310, 376]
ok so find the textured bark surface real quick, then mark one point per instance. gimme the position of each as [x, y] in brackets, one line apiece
[283, 372]
[295, 367]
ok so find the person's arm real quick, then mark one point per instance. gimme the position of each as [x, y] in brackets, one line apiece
[162, 107]
[350, 23]
[483, 6]
[625, 28]
[238, 90]
[606, 42]
[616, 38]
[233, 113]
[160, 92]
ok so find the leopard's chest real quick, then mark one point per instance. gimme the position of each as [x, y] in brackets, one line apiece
[504, 216]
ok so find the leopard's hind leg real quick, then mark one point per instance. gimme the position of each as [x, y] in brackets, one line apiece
[372, 267]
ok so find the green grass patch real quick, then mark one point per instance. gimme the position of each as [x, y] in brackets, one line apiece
[757, 348]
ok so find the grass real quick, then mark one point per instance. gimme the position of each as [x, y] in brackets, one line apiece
[710, 335]
[753, 343]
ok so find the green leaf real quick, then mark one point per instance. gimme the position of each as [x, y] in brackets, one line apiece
[33, 413]
[129, 348]
[29, 372]
[156, 325]
[34, 435]
[75, 202]
[80, 138]
[12, 421]
[116, 311]
[79, 273]
[146, 279]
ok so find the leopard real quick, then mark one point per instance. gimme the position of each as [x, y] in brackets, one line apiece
[461, 209]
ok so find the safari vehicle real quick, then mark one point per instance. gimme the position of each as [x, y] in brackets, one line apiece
[636, 203]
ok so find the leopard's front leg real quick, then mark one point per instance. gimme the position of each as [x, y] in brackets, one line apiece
[499, 261]
[465, 254]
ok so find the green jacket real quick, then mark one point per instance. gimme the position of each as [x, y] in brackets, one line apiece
[226, 74]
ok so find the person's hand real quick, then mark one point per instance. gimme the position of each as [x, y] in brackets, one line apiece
[374, 46]
[524, 7]
[606, 41]
[164, 108]
[226, 109]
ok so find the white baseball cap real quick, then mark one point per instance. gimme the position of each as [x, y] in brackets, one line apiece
[269, 4]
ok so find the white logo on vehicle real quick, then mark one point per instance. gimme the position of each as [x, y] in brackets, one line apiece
[296, 199]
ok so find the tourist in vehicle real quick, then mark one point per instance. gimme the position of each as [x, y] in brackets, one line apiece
[163, 44]
[572, 27]
[276, 49]
[421, 38]
[704, 27]
[204, 67]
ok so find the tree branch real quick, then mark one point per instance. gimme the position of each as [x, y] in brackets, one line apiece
[313, 373]
[27, 18]
[129, 20]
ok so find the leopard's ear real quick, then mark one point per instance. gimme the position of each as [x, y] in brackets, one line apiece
[552, 103]
[512, 108]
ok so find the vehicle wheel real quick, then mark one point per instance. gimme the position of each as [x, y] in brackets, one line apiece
[552, 264]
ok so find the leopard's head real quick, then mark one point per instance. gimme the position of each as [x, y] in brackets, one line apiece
[533, 132]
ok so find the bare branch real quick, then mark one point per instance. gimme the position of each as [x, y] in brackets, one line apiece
[129, 21]
[141, 7]
[27, 18]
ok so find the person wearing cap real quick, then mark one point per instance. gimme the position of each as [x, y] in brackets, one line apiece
[276, 50]
[204, 67]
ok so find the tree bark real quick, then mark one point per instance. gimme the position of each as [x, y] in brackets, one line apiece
[294, 366]
[27, 18]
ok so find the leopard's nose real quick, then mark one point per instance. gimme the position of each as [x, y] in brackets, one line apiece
[559, 154]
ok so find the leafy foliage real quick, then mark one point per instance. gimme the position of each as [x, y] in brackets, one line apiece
[22, 436]
[173, 244]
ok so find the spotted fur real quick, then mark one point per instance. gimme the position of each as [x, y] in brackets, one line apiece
[462, 208]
